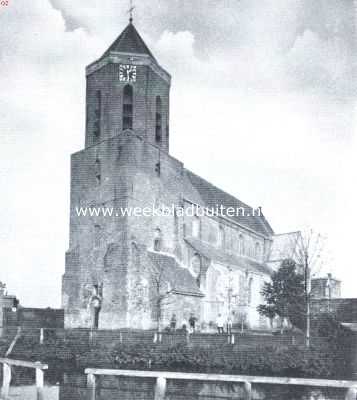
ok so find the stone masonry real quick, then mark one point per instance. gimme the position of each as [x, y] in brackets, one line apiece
[129, 271]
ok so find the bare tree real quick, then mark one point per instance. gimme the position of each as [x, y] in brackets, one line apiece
[159, 291]
[310, 257]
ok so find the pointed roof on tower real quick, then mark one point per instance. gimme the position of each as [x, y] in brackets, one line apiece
[129, 41]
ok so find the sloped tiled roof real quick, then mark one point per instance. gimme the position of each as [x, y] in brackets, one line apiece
[233, 260]
[129, 41]
[351, 326]
[284, 246]
[213, 197]
[180, 279]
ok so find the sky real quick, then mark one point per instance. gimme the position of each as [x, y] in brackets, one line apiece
[263, 104]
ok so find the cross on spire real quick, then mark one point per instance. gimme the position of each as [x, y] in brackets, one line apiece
[130, 11]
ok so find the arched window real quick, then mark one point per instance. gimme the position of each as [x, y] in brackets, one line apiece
[97, 235]
[250, 288]
[241, 244]
[145, 289]
[158, 119]
[257, 250]
[128, 107]
[221, 236]
[135, 256]
[98, 171]
[157, 240]
[196, 227]
[97, 113]
[196, 264]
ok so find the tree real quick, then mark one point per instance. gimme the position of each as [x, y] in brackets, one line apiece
[160, 292]
[285, 295]
[309, 256]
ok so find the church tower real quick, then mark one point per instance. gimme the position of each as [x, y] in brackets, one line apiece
[128, 89]
[126, 147]
[136, 236]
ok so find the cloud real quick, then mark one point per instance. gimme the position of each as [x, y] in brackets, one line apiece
[263, 88]
[41, 105]
[323, 64]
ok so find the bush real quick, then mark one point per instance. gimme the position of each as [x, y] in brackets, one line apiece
[292, 361]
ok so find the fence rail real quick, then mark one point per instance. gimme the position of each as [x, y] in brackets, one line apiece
[126, 336]
[6, 380]
[247, 380]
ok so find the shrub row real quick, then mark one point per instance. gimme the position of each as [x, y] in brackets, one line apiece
[294, 361]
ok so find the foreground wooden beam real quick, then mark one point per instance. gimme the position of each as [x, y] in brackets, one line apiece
[91, 385]
[39, 383]
[160, 388]
[225, 378]
[8, 363]
[247, 380]
[25, 364]
[6, 380]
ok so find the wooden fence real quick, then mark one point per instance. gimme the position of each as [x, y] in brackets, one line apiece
[247, 381]
[8, 363]
[127, 336]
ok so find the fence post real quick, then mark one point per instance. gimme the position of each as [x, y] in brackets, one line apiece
[160, 337]
[91, 385]
[232, 339]
[188, 337]
[41, 336]
[248, 390]
[121, 337]
[160, 388]
[39, 383]
[155, 337]
[351, 394]
[6, 379]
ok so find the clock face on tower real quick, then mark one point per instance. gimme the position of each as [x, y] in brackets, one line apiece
[127, 73]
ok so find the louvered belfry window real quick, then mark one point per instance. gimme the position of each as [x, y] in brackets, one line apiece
[128, 107]
[158, 125]
[97, 113]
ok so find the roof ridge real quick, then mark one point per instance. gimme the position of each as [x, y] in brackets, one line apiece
[286, 233]
[261, 220]
[216, 187]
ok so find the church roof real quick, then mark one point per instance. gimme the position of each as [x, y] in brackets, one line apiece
[213, 197]
[212, 253]
[180, 279]
[129, 41]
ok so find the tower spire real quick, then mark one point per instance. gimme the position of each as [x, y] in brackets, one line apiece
[130, 11]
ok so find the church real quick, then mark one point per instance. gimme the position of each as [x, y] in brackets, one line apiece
[128, 271]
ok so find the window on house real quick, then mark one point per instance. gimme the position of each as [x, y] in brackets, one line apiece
[128, 107]
[97, 113]
[196, 227]
[97, 171]
[157, 240]
[158, 119]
